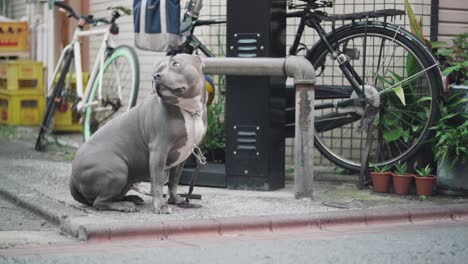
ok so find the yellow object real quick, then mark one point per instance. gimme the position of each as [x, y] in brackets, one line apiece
[21, 109]
[14, 37]
[22, 76]
[210, 88]
[68, 121]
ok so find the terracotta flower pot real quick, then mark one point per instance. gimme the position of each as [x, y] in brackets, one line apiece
[424, 185]
[402, 183]
[381, 181]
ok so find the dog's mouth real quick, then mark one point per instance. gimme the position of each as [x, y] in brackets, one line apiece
[165, 91]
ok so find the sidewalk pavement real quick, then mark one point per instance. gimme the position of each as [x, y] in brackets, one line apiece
[39, 182]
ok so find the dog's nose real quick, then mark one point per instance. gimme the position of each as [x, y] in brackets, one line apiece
[157, 76]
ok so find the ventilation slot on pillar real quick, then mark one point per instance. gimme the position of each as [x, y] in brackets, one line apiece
[246, 141]
[247, 45]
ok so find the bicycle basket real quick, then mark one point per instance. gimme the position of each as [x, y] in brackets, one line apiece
[156, 24]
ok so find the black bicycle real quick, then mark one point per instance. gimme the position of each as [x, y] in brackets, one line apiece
[370, 74]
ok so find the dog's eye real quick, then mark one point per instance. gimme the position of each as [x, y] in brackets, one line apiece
[175, 64]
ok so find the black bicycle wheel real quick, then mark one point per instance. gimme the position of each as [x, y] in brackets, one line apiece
[52, 102]
[119, 92]
[390, 62]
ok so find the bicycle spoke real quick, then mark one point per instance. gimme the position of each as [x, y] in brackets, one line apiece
[407, 79]
[381, 51]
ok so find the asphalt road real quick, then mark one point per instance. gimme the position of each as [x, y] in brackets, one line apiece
[437, 242]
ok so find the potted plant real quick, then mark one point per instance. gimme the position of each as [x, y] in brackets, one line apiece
[425, 181]
[451, 148]
[401, 179]
[381, 179]
[451, 130]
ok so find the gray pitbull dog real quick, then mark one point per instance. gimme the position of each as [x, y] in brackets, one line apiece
[148, 143]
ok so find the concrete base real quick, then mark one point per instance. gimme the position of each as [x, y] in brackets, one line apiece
[452, 180]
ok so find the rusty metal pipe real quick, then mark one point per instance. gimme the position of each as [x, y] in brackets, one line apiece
[303, 73]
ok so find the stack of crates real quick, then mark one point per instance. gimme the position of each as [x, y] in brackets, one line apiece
[22, 100]
[14, 39]
[65, 119]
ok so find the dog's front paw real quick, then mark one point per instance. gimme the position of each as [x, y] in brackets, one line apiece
[176, 199]
[163, 209]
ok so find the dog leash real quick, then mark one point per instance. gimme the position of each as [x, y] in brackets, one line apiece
[196, 151]
[201, 160]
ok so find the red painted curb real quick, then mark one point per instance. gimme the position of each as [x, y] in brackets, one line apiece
[387, 216]
[94, 232]
[430, 214]
[275, 223]
[340, 218]
[191, 227]
[285, 222]
[239, 224]
[459, 212]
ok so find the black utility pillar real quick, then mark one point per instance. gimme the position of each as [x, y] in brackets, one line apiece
[255, 106]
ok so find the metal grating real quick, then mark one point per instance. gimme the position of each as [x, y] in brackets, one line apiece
[214, 37]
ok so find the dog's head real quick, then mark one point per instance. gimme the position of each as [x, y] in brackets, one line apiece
[179, 80]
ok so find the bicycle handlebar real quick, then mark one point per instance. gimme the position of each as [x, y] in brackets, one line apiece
[67, 8]
[209, 22]
[89, 19]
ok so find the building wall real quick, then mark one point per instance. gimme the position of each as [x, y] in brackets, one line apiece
[453, 18]
[16, 8]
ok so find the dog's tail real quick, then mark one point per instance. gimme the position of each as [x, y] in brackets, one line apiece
[77, 195]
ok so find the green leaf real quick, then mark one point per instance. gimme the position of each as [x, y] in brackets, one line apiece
[415, 25]
[396, 77]
[439, 44]
[412, 66]
[451, 69]
[392, 135]
[458, 102]
[398, 90]
[383, 79]
[406, 135]
[423, 99]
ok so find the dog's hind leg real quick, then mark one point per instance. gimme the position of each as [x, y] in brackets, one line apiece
[112, 195]
[77, 195]
[137, 200]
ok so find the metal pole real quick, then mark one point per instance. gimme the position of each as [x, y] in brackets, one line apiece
[303, 73]
[304, 81]
[304, 142]
[245, 66]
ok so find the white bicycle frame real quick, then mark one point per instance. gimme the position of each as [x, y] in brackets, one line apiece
[98, 67]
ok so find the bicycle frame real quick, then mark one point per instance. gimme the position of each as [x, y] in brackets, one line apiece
[98, 67]
[310, 19]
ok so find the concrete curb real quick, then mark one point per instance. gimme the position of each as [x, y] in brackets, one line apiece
[70, 219]
[274, 223]
[52, 210]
